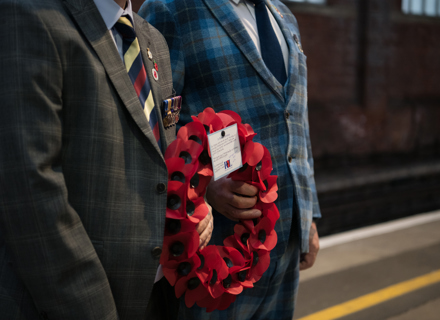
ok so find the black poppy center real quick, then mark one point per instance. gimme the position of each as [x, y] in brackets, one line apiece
[173, 226]
[244, 238]
[243, 168]
[227, 282]
[195, 138]
[190, 208]
[228, 262]
[266, 184]
[204, 157]
[194, 182]
[185, 156]
[255, 258]
[262, 235]
[202, 261]
[206, 128]
[193, 283]
[242, 275]
[173, 202]
[259, 165]
[177, 248]
[184, 268]
[178, 176]
[213, 278]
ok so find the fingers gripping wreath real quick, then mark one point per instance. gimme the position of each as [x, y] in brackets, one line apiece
[214, 276]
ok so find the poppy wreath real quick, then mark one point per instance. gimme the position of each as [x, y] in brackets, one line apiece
[214, 276]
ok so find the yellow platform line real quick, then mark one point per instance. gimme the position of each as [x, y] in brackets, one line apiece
[374, 298]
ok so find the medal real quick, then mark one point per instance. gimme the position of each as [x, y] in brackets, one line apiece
[172, 111]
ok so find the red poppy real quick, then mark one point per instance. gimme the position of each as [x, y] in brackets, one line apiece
[179, 171]
[210, 120]
[260, 263]
[198, 184]
[196, 209]
[193, 288]
[226, 119]
[187, 150]
[173, 270]
[174, 226]
[233, 242]
[264, 167]
[269, 210]
[252, 153]
[176, 198]
[242, 277]
[232, 114]
[194, 131]
[263, 236]
[179, 247]
[270, 194]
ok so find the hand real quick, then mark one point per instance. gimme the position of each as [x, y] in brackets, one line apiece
[308, 259]
[233, 199]
[205, 227]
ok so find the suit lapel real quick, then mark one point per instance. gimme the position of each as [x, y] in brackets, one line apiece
[293, 55]
[93, 27]
[228, 19]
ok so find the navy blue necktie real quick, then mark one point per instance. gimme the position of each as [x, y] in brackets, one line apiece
[270, 47]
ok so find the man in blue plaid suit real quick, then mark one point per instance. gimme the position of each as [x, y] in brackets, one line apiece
[216, 63]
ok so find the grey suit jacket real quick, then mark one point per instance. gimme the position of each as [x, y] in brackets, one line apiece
[82, 180]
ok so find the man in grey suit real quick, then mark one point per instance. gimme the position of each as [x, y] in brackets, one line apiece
[83, 182]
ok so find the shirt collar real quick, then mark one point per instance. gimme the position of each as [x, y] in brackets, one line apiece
[111, 11]
[236, 1]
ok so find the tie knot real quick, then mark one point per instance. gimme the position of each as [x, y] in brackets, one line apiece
[257, 2]
[124, 26]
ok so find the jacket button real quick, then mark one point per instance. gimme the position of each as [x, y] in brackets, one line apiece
[161, 187]
[290, 159]
[156, 252]
[287, 114]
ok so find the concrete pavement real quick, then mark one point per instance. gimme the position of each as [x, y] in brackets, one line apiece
[362, 263]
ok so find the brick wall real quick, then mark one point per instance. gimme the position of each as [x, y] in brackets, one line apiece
[374, 80]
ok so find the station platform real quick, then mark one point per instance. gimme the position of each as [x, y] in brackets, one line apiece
[389, 271]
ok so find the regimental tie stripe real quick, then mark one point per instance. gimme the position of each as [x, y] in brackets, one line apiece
[136, 72]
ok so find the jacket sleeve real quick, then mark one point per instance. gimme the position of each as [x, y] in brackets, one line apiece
[162, 15]
[43, 234]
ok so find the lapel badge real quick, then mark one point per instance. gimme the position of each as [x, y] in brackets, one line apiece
[155, 65]
[295, 37]
[150, 55]
[155, 74]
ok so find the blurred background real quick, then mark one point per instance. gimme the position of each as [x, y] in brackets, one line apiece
[374, 111]
[374, 107]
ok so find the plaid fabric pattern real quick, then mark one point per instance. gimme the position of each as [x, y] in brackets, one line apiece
[80, 207]
[213, 69]
[216, 64]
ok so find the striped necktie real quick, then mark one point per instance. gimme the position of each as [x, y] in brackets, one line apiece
[136, 71]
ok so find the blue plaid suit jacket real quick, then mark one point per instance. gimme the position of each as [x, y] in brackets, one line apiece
[216, 64]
